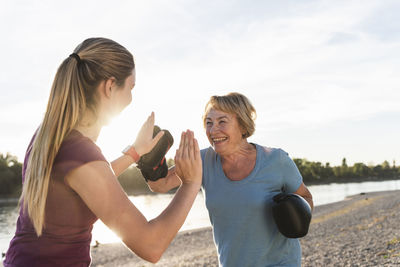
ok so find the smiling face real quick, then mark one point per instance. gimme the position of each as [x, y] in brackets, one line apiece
[223, 131]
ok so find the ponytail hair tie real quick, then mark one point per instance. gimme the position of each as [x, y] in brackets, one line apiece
[76, 56]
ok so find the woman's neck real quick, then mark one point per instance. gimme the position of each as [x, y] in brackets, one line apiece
[238, 165]
[90, 132]
[89, 128]
[244, 150]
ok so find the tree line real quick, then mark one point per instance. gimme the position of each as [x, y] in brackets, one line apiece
[133, 182]
[10, 175]
[318, 173]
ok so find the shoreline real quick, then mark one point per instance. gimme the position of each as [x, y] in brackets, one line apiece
[361, 230]
[15, 199]
[9, 200]
[351, 180]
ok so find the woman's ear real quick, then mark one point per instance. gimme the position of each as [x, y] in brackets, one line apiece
[109, 86]
[243, 131]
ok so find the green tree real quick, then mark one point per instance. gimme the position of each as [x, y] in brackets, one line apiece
[361, 170]
[10, 175]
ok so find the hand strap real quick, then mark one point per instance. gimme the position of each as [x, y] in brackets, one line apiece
[131, 151]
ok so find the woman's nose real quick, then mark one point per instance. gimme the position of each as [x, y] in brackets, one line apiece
[213, 128]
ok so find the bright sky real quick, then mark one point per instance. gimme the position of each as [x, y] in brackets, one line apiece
[323, 75]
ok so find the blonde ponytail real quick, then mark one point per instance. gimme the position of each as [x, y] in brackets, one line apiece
[73, 91]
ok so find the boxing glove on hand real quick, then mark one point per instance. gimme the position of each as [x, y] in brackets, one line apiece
[153, 165]
[292, 214]
[153, 174]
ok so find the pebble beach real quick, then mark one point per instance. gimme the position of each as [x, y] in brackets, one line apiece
[362, 230]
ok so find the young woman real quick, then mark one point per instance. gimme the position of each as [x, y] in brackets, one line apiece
[67, 182]
[239, 182]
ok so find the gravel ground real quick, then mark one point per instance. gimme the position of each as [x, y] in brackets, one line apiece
[190, 248]
[362, 230]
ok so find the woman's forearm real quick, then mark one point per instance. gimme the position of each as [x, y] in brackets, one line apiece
[160, 231]
[165, 184]
[156, 235]
[306, 194]
[121, 164]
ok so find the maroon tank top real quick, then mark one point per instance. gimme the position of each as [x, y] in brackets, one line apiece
[66, 236]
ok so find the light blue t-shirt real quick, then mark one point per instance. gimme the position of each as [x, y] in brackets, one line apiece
[240, 211]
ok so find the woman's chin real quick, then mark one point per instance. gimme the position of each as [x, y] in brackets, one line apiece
[218, 148]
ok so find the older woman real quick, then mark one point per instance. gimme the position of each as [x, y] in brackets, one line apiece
[239, 179]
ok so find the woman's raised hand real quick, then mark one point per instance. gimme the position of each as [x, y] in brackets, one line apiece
[188, 164]
[145, 142]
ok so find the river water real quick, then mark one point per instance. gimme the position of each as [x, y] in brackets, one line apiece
[152, 205]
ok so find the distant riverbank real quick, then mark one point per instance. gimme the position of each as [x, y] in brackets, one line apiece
[8, 200]
[313, 173]
[144, 190]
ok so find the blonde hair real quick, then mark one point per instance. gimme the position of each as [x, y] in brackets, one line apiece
[237, 104]
[73, 92]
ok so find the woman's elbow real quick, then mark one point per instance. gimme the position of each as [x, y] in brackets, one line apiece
[151, 252]
[154, 257]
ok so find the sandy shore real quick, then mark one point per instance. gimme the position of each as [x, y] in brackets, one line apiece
[363, 230]
[191, 248]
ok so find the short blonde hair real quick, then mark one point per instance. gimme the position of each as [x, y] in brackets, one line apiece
[238, 105]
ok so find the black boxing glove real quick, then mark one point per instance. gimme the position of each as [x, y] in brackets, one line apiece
[153, 165]
[158, 172]
[292, 214]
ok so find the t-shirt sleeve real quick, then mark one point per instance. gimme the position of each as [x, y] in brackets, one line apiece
[292, 178]
[75, 153]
